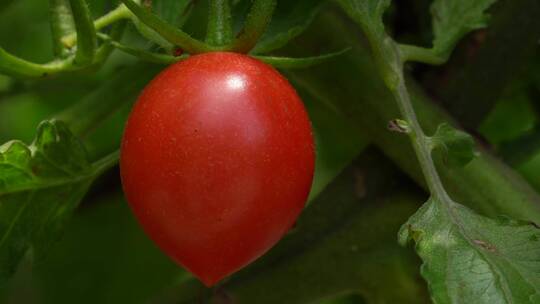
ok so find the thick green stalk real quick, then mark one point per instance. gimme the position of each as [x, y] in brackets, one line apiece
[219, 30]
[62, 24]
[389, 59]
[18, 67]
[87, 41]
[419, 141]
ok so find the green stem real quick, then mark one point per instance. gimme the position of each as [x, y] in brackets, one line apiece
[62, 24]
[486, 184]
[18, 67]
[256, 23]
[420, 54]
[142, 54]
[86, 33]
[106, 163]
[106, 49]
[168, 31]
[219, 31]
[119, 13]
[420, 142]
[390, 60]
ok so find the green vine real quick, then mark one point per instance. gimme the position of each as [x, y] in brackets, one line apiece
[445, 231]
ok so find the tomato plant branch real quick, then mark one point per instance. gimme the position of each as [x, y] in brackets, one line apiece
[87, 41]
[389, 53]
[168, 31]
[390, 62]
[18, 67]
[219, 30]
[420, 141]
[256, 23]
[119, 13]
[369, 106]
[421, 54]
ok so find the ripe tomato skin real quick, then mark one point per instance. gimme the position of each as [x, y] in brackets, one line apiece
[217, 161]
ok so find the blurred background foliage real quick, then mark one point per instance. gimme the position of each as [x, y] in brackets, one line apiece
[343, 249]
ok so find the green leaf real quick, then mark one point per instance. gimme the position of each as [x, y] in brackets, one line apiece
[337, 140]
[511, 117]
[369, 15]
[40, 184]
[469, 258]
[457, 146]
[453, 19]
[290, 19]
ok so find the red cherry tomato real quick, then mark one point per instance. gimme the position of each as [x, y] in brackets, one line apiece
[217, 161]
